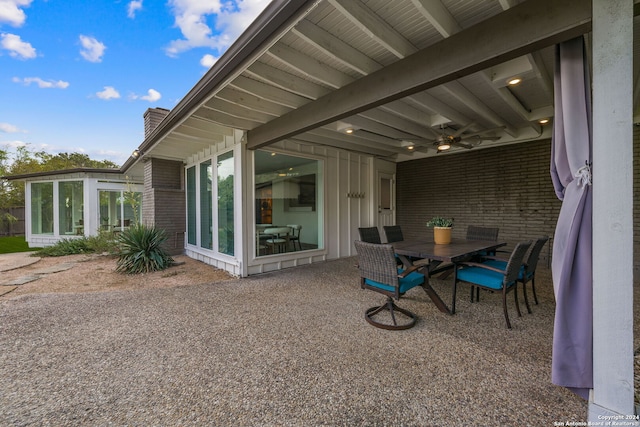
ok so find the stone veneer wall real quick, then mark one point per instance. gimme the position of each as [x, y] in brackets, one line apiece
[508, 187]
[164, 200]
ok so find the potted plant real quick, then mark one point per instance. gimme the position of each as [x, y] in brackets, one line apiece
[441, 229]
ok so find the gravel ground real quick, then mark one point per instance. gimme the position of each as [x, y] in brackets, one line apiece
[281, 349]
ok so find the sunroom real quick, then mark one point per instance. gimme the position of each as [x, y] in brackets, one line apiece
[78, 202]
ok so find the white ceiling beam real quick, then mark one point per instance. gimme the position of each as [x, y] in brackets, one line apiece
[525, 28]
[362, 122]
[220, 117]
[199, 128]
[237, 110]
[430, 102]
[466, 97]
[336, 143]
[287, 81]
[438, 15]
[309, 66]
[253, 102]
[398, 122]
[336, 48]
[375, 27]
[268, 92]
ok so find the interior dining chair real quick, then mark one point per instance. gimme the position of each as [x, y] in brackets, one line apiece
[295, 235]
[527, 272]
[277, 239]
[475, 232]
[495, 279]
[369, 234]
[379, 273]
[393, 233]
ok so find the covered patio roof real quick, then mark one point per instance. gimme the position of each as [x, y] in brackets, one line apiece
[390, 79]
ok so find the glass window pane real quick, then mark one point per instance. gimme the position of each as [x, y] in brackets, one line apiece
[42, 208]
[191, 205]
[71, 207]
[288, 193]
[110, 212]
[225, 172]
[385, 193]
[206, 206]
[132, 207]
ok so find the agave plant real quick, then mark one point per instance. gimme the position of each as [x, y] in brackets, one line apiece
[141, 250]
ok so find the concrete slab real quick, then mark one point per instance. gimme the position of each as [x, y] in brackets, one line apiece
[55, 268]
[20, 280]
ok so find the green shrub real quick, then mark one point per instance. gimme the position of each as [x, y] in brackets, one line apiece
[103, 242]
[141, 251]
[66, 247]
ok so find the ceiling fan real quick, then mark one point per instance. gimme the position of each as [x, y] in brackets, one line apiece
[459, 139]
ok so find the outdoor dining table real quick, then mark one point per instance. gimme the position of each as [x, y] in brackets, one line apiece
[437, 258]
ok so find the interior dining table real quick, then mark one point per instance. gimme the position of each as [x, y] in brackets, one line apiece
[437, 258]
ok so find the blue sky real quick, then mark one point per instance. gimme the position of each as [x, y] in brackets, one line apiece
[77, 76]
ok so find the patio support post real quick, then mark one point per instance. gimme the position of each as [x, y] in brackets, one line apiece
[612, 392]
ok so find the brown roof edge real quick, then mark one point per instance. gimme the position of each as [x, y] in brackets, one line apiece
[60, 172]
[259, 32]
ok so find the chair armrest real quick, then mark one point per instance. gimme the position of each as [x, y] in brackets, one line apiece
[408, 271]
[496, 258]
[480, 265]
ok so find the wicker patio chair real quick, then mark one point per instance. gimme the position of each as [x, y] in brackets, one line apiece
[393, 233]
[369, 234]
[527, 272]
[481, 275]
[379, 273]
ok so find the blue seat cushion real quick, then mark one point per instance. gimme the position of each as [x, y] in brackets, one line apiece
[482, 276]
[412, 280]
[503, 265]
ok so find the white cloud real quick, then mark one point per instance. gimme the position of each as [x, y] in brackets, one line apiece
[44, 84]
[11, 12]
[208, 60]
[9, 128]
[16, 47]
[109, 92]
[151, 96]
[133, 7]
[92, 50]
[231, 18]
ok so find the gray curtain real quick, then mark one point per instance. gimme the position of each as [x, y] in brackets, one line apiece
[572, 362]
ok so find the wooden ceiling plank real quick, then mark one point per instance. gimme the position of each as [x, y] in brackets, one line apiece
[309, 66]
[525, 28]
[287, 81]
[253, 102]
[269, 92]
[336, 48]
[438, 15]
[375, 27]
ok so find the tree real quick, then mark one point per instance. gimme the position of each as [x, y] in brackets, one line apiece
[26, 161]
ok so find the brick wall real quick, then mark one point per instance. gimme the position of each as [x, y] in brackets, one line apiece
[508, 187]
[164, 201]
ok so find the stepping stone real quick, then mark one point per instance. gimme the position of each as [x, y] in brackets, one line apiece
[20, 281]
[55, 268]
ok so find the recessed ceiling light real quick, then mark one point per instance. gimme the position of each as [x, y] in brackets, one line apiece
[273, 154]
[410, 147]
[349, 131]
[514, 81]
[443, 146]
[543, 121]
